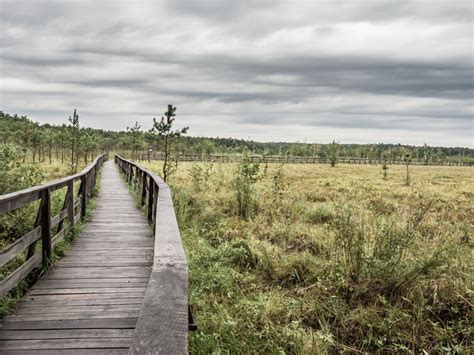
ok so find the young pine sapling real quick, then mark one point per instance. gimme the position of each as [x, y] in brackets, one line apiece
[164, 130]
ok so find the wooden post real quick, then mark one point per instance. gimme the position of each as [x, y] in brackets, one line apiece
[70, 202]
[46, 225]
[32, 247]
[143, 188]
[94, 178]
[151, 188]
[84, 196]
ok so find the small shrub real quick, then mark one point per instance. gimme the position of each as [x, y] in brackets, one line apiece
[378, 258]
[278, 182]
[200, 175]
[245, 177]
[333, 153]
[385, 169]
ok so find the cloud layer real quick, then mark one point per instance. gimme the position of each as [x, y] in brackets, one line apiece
[355, 71]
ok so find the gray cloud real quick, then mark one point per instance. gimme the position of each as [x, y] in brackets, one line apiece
[358, 71]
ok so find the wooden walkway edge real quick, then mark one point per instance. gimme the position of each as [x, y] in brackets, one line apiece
[91, 299]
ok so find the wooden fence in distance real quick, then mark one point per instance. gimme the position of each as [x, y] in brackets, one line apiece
[74, 208]
[301, 160]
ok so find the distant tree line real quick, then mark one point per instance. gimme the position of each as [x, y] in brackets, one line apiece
[69, 142]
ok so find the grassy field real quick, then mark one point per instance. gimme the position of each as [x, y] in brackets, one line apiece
[329, 259]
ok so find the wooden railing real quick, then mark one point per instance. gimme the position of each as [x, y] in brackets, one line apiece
[74, 208]
[162, 326]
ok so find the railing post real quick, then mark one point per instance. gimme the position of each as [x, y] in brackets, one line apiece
[151, 188]
[46, 225]
[143, 188]
[32, 247]
[70, 202]
[94, 178]
[84, 196]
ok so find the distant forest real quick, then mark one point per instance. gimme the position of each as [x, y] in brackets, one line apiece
[41, 142]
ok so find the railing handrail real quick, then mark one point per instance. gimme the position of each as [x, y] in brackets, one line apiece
[32, 193]
[162, 325]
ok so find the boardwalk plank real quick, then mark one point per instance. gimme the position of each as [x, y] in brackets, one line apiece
[64, 334]
[44, 344]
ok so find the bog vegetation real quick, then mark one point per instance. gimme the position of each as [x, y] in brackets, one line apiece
[291, 258]
[311, 259]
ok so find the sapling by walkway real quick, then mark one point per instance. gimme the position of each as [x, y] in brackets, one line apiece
[333, 153]
[407, 159]
[164, 130]
[385, 166]
[74, 139]
[245, 177]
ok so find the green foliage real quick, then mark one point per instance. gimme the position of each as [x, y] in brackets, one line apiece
[200, 175]
[136, 139]
[164, 130]
[88, 144]
[14, 174]
[333, 153]
[278, 181]
[245, 177]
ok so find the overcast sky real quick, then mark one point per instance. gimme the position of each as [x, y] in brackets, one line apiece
[392, 71]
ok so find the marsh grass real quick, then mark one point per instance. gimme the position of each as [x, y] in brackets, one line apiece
[339, 261]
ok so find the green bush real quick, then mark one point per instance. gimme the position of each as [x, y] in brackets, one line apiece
[245, 177]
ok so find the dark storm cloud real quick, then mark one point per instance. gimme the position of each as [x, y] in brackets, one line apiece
[319, 70]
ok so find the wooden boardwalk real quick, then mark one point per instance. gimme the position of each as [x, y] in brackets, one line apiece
[89, 302]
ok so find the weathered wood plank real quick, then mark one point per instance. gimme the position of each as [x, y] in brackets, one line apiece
[98, 296]
[19, 274]
[70, 309]
[169, 305]
[116, 351]
[100, 323]
[94, 301]
[69, 283]
[58, 237]
[58, 218]
[66, 291]
[22, 243]
[70, 316]
[64, 334]
[51, 344]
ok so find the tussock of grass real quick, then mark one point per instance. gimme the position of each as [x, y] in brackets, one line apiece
[338, 260]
